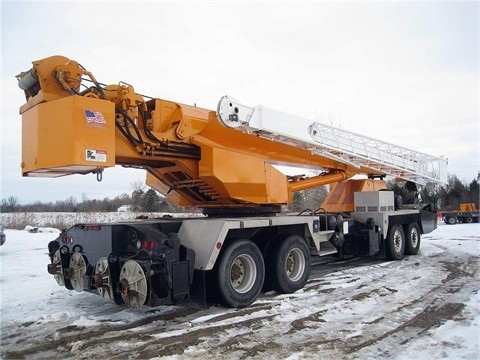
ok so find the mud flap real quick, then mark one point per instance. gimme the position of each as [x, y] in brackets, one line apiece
[180, 281]
[374, 242]
[428, 218]
[373, 238]
[198, 290]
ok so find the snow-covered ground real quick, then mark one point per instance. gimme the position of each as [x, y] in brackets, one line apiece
[425, 306]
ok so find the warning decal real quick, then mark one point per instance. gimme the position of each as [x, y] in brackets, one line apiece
[96, 155]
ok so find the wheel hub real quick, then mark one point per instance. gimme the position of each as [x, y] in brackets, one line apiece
[237, 272]
[243, 273]
[290, 264]
[397, 241]
[414, 238]
[295, 264]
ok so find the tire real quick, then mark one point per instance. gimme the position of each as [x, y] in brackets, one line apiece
[469, 220]
[412, 239]
[288, 265]
[240, 274]
[395, 243]
[451, 220]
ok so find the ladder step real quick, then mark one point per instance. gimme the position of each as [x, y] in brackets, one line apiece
[326, 252]
[326, 248]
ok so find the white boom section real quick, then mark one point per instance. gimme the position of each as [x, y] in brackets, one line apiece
[334, 143]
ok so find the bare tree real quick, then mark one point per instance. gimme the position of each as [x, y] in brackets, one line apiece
[9, 204]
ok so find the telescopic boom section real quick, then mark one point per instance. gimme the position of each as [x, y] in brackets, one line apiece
[71, 124]
[362, 152]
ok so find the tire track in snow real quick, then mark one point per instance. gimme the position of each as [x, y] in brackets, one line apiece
[329, 320]
[439, 304]
[71, 334]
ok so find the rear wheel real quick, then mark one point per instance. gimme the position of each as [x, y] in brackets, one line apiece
[412, 243]
[395, 243]
[288, 266]
[451, 220]
[240, 273]
[469, 220]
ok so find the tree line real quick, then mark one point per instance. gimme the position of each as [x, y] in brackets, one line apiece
[446, 197]
[140, 200]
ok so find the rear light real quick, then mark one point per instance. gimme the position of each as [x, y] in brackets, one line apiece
[151, 246]
[67, 240]
[148, 245]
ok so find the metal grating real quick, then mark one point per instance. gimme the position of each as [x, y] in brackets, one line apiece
[363, 151]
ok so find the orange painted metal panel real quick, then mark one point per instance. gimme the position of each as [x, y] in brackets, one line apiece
[242, 177]
[66, 136]
[340, 198]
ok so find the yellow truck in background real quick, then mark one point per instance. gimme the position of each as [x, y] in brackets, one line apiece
[467, 214]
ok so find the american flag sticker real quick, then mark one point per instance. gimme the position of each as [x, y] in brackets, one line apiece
[95, 117]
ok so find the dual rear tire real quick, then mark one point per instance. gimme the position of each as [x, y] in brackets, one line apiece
[243, 270]
[412, 244]
[402, 241]
[288, 265]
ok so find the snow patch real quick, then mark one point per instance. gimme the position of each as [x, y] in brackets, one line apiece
[342, 306]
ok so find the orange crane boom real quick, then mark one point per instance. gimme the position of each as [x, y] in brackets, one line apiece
[190, 155]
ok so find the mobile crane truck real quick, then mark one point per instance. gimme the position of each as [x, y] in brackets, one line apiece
[224, 162]
[466, 214]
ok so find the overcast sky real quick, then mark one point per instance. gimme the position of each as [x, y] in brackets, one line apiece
[403, 72]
